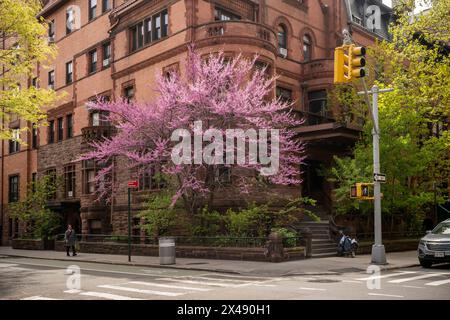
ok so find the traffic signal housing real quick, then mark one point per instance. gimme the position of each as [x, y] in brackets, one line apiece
[349, 63]
[362, 191]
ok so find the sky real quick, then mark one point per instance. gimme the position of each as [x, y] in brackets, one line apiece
[389, 3]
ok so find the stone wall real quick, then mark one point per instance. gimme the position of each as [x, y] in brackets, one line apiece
[224, 253]
[27, 244]
[390, 245]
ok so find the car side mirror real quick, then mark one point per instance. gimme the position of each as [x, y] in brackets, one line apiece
[428, 231]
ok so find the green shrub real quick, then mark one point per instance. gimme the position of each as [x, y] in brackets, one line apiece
[207, 223]
[253, 221]
[289, 237]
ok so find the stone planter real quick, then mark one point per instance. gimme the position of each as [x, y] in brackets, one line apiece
[33, 244]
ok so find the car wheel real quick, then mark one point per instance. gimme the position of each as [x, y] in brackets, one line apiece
[425, 263]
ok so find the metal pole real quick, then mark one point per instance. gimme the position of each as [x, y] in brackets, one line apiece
[378, 251]
[129, 224]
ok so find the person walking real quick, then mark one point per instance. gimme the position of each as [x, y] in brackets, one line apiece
[69, 238]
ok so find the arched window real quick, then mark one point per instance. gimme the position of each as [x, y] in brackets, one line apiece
[282, 39]
[307, 47]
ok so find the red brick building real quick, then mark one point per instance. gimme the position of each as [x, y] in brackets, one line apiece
[113, 48]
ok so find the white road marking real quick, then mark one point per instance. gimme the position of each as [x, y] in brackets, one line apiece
[7, 265]
[424, 276]
[312, 289]
[414, 287]
[72, 291]
[107, 295]
[84, 269]
[39, 298]
[385, 295]
[225, 280]
[159, 293]
[373, 277]
[167, 286]
[437, 283]
[202, 283]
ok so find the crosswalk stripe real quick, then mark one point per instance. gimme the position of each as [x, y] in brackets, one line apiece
[154, 284]
[312, 289]
[437, 283]
[385, 295]
[159, 293]
[225, 280]
[373, 277]
[107, 295]
[39, 298]
[430, 275]
[7, 265]
[206, 283]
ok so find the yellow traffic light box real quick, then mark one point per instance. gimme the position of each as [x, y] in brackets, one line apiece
[362, 191]
[349, 62]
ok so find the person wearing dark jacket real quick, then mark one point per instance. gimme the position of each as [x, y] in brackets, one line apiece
[69, 238]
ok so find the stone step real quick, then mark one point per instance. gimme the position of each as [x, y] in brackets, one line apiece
[324, 246]
[323, 255]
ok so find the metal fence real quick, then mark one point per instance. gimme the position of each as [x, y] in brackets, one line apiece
[218, 241]
[388, 235]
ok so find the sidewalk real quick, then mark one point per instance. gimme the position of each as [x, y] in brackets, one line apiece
[322, 266]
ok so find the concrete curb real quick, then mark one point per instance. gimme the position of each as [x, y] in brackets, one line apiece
[182, 267]
[133, 264]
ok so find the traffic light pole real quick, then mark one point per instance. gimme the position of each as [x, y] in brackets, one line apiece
[378, 251]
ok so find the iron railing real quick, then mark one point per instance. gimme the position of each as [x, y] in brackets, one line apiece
[217, 241]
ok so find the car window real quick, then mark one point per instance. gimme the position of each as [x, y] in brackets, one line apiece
[442, 228]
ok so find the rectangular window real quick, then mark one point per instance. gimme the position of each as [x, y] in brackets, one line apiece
[224, 15]
[51, 131]
[69, 181]
[93, 61]
[51, 31]
[92, 9]
[148, 30]
[14, 188]
[69, 122]
[14, 145]
[151, 179]
[34, 136]
[34, 82]
[106, 54]
[165, 24]
[284, 95]
[151, 29]
[128, 93]
[106, 5]
[70, 20]
[60, 129]
[89, 173]
[156, 27]
[51, 79]
[317, 105]
[69, 72]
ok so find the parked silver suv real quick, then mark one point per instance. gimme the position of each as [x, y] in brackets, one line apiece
[435, 246]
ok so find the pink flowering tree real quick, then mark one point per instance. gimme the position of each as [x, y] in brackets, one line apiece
[220, 95]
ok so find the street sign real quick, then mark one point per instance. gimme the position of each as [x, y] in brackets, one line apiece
[379, 177]
[133, 184]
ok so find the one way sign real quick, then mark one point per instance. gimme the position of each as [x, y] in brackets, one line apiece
[379, 177]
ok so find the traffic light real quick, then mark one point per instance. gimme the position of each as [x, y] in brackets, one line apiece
[362, 191]
[357, 61]
[349, 62]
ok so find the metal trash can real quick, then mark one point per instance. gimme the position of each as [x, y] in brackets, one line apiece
[166, 250]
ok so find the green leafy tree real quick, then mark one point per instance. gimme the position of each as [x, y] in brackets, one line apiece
[41, 222]
[414, 141]
[24, 45]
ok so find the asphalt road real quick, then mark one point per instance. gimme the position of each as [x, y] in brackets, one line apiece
[38, 279]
